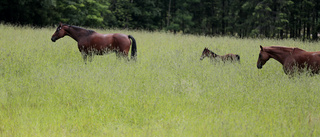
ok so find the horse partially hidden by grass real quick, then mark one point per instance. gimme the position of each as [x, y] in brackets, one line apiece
[292, 59]
[228, 57]
[92, 43]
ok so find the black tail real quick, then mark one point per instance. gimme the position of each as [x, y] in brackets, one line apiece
[238, 57]
[133, 48]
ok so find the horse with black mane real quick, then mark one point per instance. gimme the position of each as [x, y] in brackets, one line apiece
[92, 43]
[228, 57]
[292, 59]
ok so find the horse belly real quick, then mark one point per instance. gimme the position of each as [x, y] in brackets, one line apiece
[101, 45]
[309, 62]
[314, 65]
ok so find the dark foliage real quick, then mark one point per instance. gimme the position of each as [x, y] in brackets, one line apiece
[298, 19]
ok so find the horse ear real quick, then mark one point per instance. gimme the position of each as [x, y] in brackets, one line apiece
[261, 48]
[60, 24]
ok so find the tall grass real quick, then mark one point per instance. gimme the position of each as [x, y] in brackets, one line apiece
[47, 90]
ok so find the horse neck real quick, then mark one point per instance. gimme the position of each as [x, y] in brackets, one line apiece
[78, 33]
[279, 55]
[214, 54]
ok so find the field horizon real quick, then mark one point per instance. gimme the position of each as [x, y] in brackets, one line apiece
[48, 90]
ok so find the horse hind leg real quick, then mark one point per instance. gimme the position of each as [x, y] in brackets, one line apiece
[125, 55]
[122, 54]
[118, 54]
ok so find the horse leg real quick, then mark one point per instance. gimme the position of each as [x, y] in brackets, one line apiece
[118, 54]
[84, 56]
[90, 57]
[125, 55]
[122, 54]
[290, 69]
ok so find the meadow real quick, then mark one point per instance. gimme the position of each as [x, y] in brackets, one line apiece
[47, 90]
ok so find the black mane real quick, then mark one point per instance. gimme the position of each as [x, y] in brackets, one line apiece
[89, 32]
[214, 54]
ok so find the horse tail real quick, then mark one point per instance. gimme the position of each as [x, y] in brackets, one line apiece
[238, 57]
[133, 47]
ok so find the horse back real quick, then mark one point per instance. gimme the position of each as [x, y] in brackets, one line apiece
[231, 57]
[298, 50]
[314, 56]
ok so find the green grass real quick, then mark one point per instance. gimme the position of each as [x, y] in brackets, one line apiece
[47, 90]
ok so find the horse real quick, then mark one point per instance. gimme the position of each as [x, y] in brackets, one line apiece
[92, 43]
[228, 57]
[292, 59]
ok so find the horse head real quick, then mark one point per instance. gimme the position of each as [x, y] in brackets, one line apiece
[263, 58]
[60, 32]
[205, 53]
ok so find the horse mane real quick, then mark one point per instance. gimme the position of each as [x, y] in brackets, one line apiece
[286, 49]
[89, 32]
[211, 52]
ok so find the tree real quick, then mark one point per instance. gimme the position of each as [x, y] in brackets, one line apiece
[27, 11]
[181, 17]
[242, 18]
[147, 14]
[84, 12]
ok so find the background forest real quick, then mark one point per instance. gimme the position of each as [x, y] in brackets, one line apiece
[241, 18]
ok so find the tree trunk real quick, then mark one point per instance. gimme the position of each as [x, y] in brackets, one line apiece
[223, 15]
[169, 14]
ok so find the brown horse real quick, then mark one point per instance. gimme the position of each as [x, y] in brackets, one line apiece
[292, 59]
[92, 43]
[228, 57]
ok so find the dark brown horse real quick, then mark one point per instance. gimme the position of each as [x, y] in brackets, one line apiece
[292, 59]
[92, 43]
[228, 57]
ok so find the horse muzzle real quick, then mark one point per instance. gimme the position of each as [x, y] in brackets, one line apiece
[259, 66]
[53, 39]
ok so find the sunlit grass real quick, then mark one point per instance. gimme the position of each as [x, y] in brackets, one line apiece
[47, 90]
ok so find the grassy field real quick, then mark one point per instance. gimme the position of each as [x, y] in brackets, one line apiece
[47, 90]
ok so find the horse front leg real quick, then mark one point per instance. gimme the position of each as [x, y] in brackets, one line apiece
[290, 69]
[90, 57]
[84, 56]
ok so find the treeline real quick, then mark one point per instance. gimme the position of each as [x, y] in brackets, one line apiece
[241, 18]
